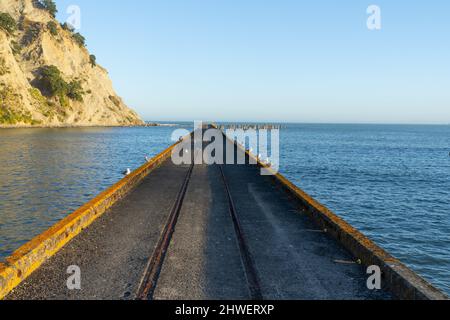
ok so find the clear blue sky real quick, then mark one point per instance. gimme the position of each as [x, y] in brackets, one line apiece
[284, 60]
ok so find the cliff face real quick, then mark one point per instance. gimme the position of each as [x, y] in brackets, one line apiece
[75, 92]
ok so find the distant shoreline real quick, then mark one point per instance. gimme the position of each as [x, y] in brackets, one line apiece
[147, 125]
[175, 124]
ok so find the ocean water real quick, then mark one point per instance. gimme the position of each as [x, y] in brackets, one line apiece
[391, 182]
[45, 174]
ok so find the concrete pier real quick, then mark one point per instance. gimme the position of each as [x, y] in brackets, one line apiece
[275, 244]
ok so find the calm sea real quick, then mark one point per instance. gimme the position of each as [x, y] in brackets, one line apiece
[391, 182]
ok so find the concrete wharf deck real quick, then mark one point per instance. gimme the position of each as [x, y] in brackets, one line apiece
[216, 232]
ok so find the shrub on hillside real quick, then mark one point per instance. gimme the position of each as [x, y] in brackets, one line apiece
[32, 32]
[79, 39]
[11, 111]
[50, 6]
[7, 22]
[53, 84]
[67, 27]
[53, 28]
[93, 60]
[75, 91]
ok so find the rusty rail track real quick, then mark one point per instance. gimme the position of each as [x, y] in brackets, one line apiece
[247, 259]
[153, 269]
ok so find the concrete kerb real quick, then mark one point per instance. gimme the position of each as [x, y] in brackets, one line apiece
[23, 262]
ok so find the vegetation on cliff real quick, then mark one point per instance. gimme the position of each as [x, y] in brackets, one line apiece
[47, 75]
[8, 115]
[52, 28]
[51, 82]
[7, 22]
[50, 6]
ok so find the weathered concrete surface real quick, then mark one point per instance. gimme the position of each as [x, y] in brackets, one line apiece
[397, 278]
[203, 261]
[293, 257]
[28, 258]
[113, 251]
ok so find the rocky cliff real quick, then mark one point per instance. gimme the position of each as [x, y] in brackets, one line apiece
[48, 77]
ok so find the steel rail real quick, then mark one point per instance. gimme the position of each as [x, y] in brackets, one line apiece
[154, 266]
[247, 259]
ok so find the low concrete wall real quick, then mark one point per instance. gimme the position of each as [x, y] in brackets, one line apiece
[32, 255]
[397, 278]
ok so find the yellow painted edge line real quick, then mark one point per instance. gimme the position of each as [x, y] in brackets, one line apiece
[414, 286]
[28, 258]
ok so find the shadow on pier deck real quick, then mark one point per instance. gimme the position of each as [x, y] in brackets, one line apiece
[211, 232]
